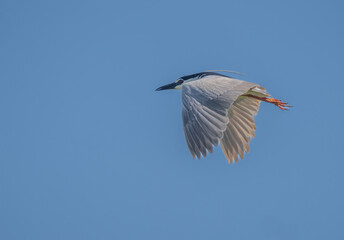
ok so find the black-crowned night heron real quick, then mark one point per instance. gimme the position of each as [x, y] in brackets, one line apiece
[219, 108]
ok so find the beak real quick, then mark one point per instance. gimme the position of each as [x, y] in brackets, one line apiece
[167, 86]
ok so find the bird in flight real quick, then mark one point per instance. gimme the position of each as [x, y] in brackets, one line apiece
[218, 108]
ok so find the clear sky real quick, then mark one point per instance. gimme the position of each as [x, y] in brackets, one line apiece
[88, 149]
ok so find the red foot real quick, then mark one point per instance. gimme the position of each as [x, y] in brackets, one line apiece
[276, 102]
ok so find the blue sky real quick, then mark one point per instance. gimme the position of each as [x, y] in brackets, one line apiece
[88, 150]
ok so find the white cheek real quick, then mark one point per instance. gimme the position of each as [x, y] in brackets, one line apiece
[178, 87]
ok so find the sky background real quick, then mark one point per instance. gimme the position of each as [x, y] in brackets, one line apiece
[88, 149]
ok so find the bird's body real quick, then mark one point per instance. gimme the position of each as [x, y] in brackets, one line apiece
[218, 108]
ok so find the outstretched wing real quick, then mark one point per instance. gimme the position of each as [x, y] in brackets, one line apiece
[240, 128]
[205, 110]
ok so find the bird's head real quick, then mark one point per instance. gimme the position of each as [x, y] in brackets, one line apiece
[181, 81]
[193, 77]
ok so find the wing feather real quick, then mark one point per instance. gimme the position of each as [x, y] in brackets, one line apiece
[206, 117]
[227, 148]
[241, 126]
[233, 142]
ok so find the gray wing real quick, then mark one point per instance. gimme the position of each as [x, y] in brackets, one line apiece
[240, 128]
[205, 110]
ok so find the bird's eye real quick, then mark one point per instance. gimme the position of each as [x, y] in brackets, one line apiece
[180, 81]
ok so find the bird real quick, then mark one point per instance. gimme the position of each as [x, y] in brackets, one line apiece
[219, 108]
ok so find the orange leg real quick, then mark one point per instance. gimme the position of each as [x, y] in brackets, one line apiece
[276, 102]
